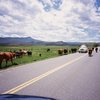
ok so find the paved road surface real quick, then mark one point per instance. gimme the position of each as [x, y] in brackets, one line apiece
[70, 77]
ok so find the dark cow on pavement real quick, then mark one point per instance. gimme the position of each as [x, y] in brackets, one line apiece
[96, 49]
[89, 52]
[73, 50]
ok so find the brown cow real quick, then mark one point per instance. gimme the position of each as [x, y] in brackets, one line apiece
[60, 51]
[6, 56]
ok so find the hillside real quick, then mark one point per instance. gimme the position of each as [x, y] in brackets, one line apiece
[19, 41]
[31, 41]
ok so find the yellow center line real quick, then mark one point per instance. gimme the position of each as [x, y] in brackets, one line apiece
[20, 87]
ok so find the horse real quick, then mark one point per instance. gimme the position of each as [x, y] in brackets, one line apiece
[7, 56]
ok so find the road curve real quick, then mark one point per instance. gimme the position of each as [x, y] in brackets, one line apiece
[70, 77]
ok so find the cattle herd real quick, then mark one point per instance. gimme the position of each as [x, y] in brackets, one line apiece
[22, 52]
[66, 51]
[9, 56]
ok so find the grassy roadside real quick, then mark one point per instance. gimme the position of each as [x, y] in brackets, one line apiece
[36, 50]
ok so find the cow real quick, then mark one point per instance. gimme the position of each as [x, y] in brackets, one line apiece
[96, 49]
[21, 53]
[89, 52]
[29, 53]
[92, 49]
[40, 54]
[73, 50]
[60, 51]
[18, 54]
[65, 51]
[7, 56]
[48, 49]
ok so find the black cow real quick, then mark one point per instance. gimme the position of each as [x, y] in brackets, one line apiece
[29, 53]
[65, 51]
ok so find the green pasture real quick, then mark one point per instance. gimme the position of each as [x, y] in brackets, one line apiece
[36, 50]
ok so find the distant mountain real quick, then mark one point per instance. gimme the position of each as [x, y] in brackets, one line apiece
[61, 43]
[19, 41]
[31, 41]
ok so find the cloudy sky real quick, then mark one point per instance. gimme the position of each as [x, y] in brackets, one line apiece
[51, 20]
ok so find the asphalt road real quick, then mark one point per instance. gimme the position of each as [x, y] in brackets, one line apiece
[70, 77]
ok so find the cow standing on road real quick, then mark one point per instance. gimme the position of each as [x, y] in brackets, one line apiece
[96, 49]
[90, 52]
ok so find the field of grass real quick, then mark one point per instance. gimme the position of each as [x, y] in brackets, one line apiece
[36, 50]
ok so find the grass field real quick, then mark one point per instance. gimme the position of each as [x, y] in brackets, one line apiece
[36, 50]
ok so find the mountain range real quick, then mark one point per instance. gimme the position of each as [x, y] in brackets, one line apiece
[31, 41]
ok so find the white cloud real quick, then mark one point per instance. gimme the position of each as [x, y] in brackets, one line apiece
[69, 22]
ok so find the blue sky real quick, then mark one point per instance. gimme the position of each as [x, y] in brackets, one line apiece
[51, 20]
